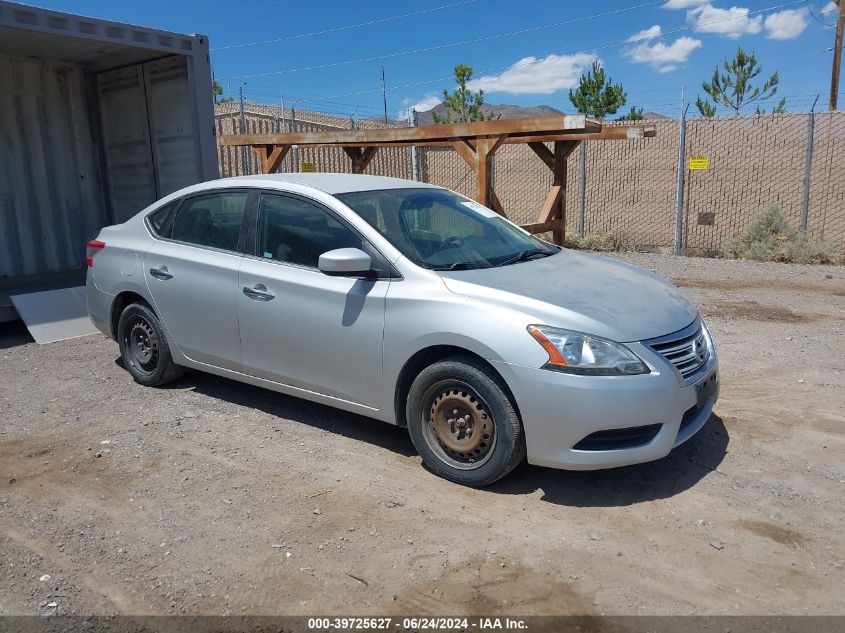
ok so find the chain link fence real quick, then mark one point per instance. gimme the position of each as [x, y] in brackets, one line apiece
[265, 119]
[628, 187]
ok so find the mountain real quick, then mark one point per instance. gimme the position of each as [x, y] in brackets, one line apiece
[503, 111]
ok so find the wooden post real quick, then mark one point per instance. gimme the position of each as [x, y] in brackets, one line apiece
[484, 150]
[361, 157]
[559, 231]
[553, 213]
[271, 156]
[478, 156]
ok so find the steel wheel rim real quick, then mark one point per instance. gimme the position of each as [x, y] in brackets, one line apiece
[457, 425]
[141, 344]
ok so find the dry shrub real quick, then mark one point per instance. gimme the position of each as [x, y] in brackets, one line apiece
[770, 238]
[605, 242]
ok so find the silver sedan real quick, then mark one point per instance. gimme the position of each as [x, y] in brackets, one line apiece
[413, 305]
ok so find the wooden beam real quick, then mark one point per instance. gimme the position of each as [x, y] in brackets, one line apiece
[271, 156]
[542, 227]
[466, 152]
[361, 157]
[477, 155]
[544, 153]
[421, 135]
[484, 150]
[367, 155]
[554, 208]
[551, 205]
[328, 139]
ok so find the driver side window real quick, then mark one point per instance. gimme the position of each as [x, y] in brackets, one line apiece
[294, 231]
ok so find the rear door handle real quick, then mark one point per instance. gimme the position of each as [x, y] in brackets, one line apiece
[161, 273]
[259, 292]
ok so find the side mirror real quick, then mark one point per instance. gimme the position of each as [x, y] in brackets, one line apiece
[345, 262]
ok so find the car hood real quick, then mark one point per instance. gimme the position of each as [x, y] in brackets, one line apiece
[584, 292]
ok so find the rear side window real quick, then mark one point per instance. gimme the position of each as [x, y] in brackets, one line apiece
[297, 232]
[212, 219]
[160, 218]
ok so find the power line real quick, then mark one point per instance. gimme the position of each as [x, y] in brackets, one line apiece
[476, 40]
[344, 28]
[610, 44]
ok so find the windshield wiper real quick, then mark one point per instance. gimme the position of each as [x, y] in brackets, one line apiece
[524, 256]
[456, 266]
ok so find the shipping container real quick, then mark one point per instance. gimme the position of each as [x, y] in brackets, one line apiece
[98, 119]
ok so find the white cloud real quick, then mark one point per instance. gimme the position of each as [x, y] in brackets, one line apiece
[683, 4]
[422, 105]
[647, 34]
[426, 103]
[786, 25]
[536, 76]
[733, 22]
[664, 57]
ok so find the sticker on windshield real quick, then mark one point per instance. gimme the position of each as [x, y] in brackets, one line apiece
[480, 208]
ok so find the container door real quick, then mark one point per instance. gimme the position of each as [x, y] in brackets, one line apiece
[171, 115]
[126, 132]
[149, 130]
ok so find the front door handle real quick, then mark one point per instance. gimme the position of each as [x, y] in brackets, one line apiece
[161, 273]
[259, 292]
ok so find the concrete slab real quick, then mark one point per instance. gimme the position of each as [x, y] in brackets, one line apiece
[55, 315]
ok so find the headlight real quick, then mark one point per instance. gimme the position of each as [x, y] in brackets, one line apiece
[707, 336]
[578, 353]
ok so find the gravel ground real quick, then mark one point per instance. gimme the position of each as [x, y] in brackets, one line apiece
[215, 497]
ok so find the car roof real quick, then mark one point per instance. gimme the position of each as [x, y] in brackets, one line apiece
[326, 182]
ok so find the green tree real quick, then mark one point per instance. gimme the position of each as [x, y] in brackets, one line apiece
[597, 95]
[465, 104]
[216, 90]
[635, 114]
[734, 87]
[707, 109]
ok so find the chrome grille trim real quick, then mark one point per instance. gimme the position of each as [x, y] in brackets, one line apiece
[687, 350]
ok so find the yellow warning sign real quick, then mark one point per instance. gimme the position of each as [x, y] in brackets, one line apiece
[699, 162]
[307, 167]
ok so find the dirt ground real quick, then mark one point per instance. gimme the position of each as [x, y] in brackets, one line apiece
[215, 497]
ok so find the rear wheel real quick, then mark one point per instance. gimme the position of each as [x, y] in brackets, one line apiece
[463, 424]
[145, 352]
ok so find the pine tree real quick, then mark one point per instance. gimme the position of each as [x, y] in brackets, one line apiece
[597, 95]
[465, 104]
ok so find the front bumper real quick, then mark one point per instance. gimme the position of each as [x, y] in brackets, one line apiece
[560, 410]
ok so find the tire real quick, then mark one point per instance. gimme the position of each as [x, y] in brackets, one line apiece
[462, 422]
[143, 347]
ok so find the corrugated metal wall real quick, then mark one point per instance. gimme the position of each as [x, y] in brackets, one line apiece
[51, 190]
[151, 147]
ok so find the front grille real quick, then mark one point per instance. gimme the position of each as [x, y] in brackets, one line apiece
[687, 350]
[615, 439]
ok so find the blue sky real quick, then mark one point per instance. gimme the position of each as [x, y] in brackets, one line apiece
[526, 53]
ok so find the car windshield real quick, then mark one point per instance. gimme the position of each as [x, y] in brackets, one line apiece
[441, 230]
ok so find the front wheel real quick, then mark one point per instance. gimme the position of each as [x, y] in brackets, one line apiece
[463, 424]
[145, 352]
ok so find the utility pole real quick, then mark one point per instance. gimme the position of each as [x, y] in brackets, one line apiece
[244, 157]
[384, 94]
[837, 57]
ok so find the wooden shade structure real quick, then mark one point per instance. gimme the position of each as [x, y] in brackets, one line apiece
[475, 142]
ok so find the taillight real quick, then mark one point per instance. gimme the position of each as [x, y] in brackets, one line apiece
[93, 247]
